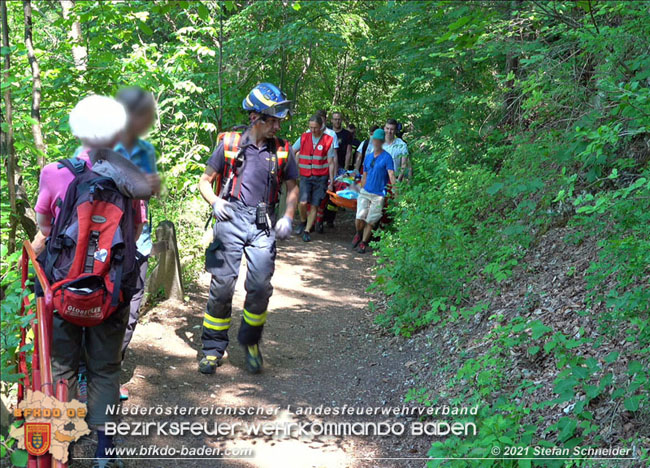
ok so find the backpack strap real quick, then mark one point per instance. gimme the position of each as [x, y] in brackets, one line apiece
[282, 154]
[75, 165]
[117, 284]
[231, 150]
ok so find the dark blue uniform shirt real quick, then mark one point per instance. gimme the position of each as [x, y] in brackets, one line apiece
[255, 182]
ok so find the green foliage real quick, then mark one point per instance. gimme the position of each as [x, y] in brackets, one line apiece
[11, 321]
[18, 457]
[521, 117]
[527, 117]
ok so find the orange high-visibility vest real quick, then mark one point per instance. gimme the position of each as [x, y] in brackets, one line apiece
[312, 161]
[231, 148]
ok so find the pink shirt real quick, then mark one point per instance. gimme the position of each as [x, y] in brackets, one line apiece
[54, 185]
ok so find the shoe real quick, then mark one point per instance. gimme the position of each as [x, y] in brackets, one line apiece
[82, 391]
[356, 240]
[107, 463]
[306, 237]
[209, 364]
[319, 227]
[362, 247]
[254, 359]
[124, 393]
[300, 229]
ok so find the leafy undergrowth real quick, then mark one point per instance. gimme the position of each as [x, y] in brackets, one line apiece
[544, 369]
[522, 242]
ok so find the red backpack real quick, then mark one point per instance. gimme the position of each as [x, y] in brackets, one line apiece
[90, 256]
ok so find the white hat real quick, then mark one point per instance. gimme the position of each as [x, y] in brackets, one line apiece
[97, 120]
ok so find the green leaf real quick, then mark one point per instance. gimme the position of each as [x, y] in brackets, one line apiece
[569, 427]
[634, 367]
[493, 189]
[459, 23]
[538, 329]
[524, 463]
[632, 403]
[204, 13]
[145, 28]
[580, 372]
[611, 357]
[19, 458]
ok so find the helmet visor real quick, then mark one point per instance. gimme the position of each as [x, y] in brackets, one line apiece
[279, 110]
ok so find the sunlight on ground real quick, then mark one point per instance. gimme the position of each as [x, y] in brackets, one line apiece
[293, 453]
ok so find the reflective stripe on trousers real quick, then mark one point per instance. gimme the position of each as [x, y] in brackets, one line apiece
[231, 239]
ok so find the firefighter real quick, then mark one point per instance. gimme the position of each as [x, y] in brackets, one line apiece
[248, 169]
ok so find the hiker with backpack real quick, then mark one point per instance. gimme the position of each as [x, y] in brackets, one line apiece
[141, 111]
[249, 170]
[91, 219]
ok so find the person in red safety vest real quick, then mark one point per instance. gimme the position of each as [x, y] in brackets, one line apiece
[317, 166]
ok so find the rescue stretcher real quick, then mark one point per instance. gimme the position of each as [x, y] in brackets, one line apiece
[41, 324]
[342, 202]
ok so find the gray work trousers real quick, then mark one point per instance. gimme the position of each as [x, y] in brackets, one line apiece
[232, 239]
[101, 347]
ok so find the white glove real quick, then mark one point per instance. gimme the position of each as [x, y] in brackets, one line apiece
[222, 210]
[283, 227]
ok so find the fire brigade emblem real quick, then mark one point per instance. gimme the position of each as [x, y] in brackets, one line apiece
[37, 438]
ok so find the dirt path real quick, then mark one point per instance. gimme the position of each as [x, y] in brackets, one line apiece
[320, 348]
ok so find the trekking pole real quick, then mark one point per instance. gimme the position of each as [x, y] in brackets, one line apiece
[43, 332]
[41, 359]
[61, 395]
[22, 357]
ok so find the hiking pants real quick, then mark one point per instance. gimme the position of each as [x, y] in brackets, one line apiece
[101, 348]
[134, 307]
[232, 238]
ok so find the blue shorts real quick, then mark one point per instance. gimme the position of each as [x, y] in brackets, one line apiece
[313, 189]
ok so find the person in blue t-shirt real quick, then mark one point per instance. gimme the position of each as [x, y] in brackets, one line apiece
[141, 109]
[378, 170]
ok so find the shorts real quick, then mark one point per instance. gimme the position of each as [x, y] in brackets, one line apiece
[313, 189]
[369, 207]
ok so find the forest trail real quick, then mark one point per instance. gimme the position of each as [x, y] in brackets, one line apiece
[320, 348]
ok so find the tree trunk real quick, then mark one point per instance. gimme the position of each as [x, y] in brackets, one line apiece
[220, 71]
[36, 86]
[79, 52]
[511, 101]
[8, 135]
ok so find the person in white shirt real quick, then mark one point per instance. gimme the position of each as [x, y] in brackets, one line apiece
[398, 150]
[326, 129]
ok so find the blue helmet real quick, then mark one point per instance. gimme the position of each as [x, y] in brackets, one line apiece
[267, 99]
